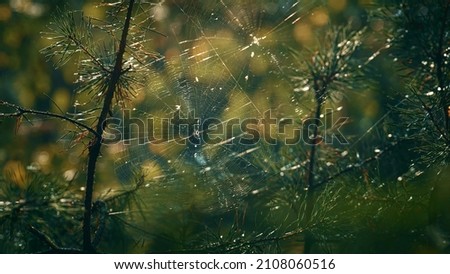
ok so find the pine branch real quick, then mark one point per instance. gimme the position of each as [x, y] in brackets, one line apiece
[440, 63]
[94, 149]
[359, 165]
[432, 117]
[238, 246]
[88, 53]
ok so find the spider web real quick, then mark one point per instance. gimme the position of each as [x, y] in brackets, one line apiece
[227, 62]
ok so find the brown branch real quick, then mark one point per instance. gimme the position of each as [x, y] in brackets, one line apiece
[21, 111]
[94, 149]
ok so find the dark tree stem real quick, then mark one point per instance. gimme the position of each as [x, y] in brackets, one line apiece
[312, 153]
[94, 148]
[320, 92]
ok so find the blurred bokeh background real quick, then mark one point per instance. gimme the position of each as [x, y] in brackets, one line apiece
[381, 207]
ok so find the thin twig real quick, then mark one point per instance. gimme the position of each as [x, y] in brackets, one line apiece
[54, 248]
[21, 111]
[88, 53]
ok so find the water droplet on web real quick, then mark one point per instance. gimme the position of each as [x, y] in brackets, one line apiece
[344, 153]
[256, 191]
[400, 179]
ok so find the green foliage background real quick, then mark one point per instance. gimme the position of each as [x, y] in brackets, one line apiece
[396, 203]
